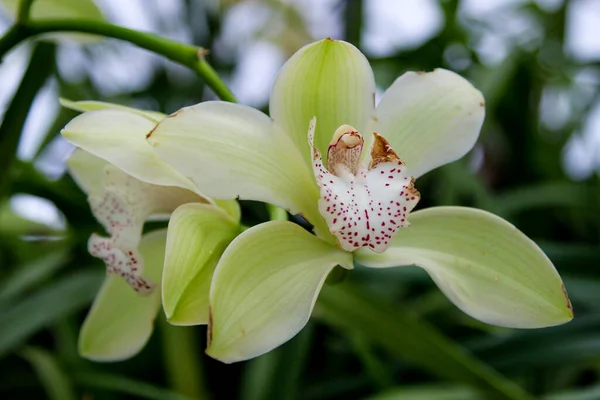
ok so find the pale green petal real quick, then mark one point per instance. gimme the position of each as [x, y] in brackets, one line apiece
[53, 9]
[430, 119]
[231, 207]
[485, 266]
[265, 287]
[198, 235]
[87, 170]
[121, 321]
[120, 138]
[231, 151]
[331, 80]
[89, 105]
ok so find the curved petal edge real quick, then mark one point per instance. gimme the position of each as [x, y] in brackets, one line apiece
[265, 287]
[483, 264]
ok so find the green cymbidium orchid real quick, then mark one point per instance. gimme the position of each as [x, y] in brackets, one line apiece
[123, 314]
[358, 201]
[267, 281]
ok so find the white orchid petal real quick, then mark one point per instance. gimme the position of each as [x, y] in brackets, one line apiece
[329, 79]
[232, 151]
[90, 105]
[485, 266]
[122, 206]
[265, 287]
[120, 321]
[430, 119]
[120, 138]
[87, 170]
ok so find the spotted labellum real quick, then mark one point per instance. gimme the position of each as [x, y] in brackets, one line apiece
[364, 203]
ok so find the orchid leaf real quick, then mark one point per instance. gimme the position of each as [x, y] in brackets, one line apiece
[348, 308]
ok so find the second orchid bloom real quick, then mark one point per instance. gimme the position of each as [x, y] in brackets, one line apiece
[348, 168]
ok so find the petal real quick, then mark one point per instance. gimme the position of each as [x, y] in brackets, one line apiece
[120, 321]
[89, 105]
[331, 80]
[485, 266]
[430, 119]
[198, 235]
[232, 151]
[265, 287]
[366, 209]
[120, 138]
[122, 207]
[87, 170]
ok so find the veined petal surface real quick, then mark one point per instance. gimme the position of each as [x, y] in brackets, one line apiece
[121, 321]
[484, 265]
[119, 137]
[331, 80]
[198, 235]
[264, 288]
[231, 151]
[430, 119]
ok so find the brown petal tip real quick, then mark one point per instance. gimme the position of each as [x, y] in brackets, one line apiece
[382, 151]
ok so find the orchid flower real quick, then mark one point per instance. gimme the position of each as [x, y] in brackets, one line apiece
[358, 199]
[122, 316]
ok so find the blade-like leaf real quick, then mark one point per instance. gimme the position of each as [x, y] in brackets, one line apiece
[400, 333]
[119, 384]
[53, 302]
[30, 274]
[57, 384]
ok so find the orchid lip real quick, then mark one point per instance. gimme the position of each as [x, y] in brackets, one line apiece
[364, 204]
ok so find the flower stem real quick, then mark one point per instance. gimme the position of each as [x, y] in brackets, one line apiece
[184, 54]
[23, 13]
[181, 352]
[39, 69]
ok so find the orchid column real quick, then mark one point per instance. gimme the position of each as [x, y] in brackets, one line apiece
[359, 199]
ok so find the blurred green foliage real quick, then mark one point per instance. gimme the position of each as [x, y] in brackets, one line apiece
[396, 336]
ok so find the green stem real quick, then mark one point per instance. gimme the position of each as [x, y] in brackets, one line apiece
[181, 352]
[184, 54]
[23, 13]
[40, 67]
